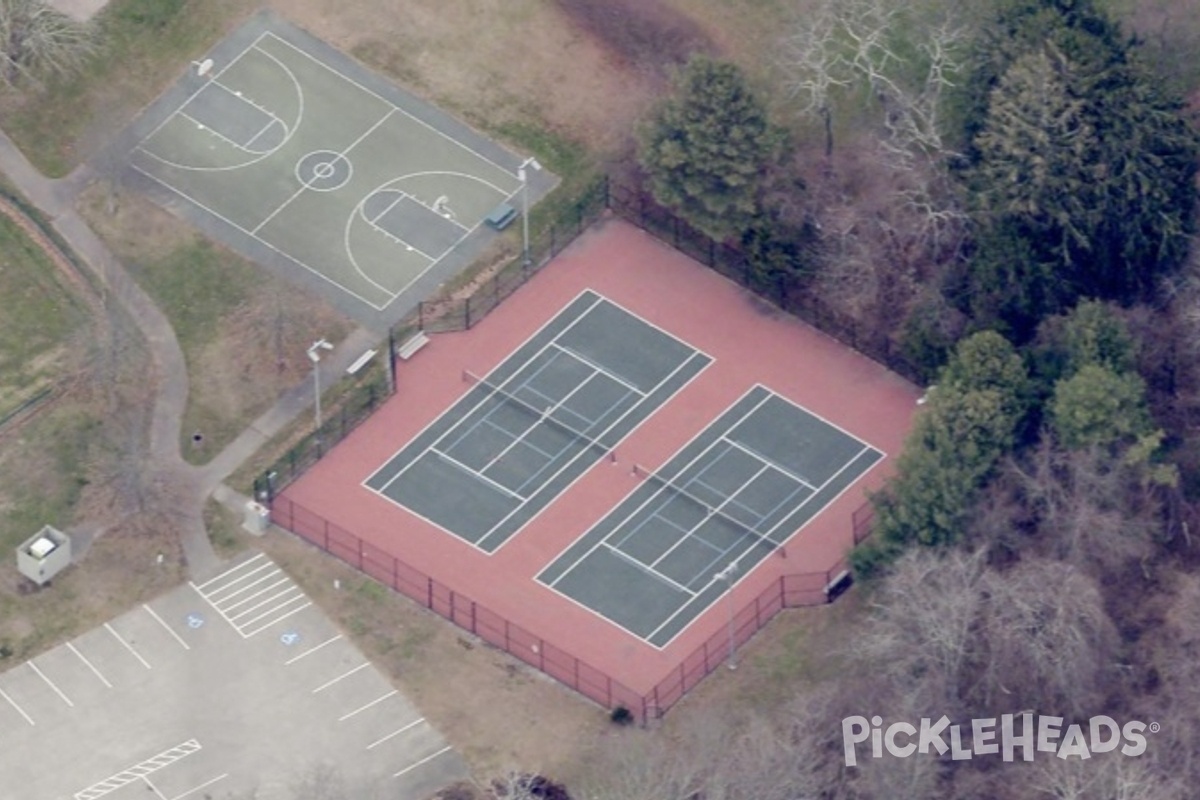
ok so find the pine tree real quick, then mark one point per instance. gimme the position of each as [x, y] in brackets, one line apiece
[707, 148]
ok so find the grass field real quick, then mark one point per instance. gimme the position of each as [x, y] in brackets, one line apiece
[243, 331]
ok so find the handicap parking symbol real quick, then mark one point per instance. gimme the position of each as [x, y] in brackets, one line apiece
[194, 621]
[289, 638]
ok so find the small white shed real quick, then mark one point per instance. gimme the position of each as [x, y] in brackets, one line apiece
[44, 555]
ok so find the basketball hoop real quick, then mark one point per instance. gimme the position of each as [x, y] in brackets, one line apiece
[203, 67]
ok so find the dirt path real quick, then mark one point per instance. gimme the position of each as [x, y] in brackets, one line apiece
[55, 199]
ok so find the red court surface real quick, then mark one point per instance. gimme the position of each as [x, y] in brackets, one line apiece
[751, 343]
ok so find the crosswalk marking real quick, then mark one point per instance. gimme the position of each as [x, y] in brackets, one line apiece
[253, 595]
[138, 771]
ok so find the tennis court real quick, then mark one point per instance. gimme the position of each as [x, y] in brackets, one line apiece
[299, 158]
[548, 413]
[727, 500]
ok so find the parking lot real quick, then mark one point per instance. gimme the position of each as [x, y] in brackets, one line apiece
[237, 687]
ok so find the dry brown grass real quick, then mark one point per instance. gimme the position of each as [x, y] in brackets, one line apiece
[244, 341]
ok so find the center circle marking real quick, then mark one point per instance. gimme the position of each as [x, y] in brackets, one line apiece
[324, 171]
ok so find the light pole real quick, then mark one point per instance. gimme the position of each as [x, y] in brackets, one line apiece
[314, 355]
[727, 576]
[523, 174]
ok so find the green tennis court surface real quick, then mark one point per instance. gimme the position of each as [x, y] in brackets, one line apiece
[731, 496]
[552, 410]
[300, 158]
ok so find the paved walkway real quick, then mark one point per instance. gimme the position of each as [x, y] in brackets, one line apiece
[56, 199]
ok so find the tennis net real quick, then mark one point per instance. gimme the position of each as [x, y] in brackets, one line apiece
[542, 414]
[710, 509]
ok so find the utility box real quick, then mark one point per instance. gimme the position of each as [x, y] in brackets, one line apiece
[258, 518]
[44, 555]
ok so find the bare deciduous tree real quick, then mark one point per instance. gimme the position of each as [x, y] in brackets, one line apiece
[37, 41]
[1047, 641]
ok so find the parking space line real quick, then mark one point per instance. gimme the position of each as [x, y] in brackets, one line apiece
[424, 760]
[13, 703]
[339, 677]
[89, 665]
[232, 569]
[345, 717]
[412, 724]
[135, 653]
[50, 683]
[312, 650]
[153, 788]
[204, 785]
[165, 625]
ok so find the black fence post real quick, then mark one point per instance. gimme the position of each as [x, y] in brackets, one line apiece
[467, 313]
[604, 188]
[391, 362]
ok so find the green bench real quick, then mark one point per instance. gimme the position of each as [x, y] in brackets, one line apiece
[501, 217]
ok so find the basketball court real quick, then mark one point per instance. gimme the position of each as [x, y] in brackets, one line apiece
[299, 158]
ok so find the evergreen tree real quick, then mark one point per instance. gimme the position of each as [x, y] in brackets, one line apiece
[707, 148]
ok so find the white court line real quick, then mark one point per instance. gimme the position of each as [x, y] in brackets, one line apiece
[166, 627]
[50, 683]
[312, 650]
[531, 337]
[252, 46]
[274, 621]
[412, 724]
[289, 256]
[399, 198]
[769, 462]
[217, 134]
[599, 369]
[411, 116]
[663, 487]
[229, 571]
[127, 647]
[795, 511]
[345, 717]
[204, 785]
[304, 188]
[89, 664]
[327, 684]
[424, 760]
[649, 570]
[13, 703]
[477, 474]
